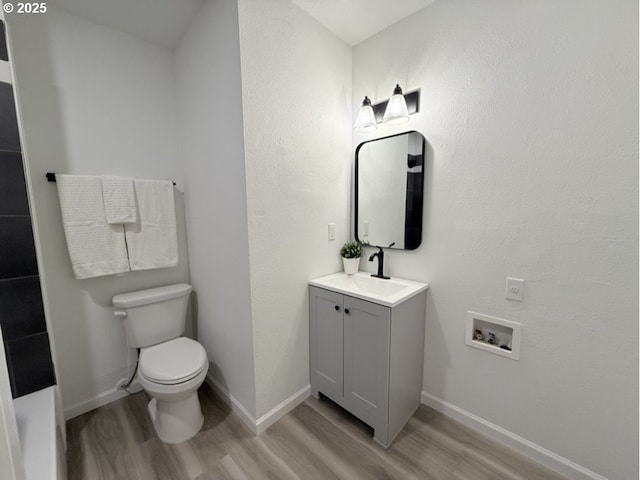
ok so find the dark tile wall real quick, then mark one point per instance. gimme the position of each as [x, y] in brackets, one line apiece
[24, 330]
[9, 138]
[3, 44]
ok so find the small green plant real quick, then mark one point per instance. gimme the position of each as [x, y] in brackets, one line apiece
[352, 249]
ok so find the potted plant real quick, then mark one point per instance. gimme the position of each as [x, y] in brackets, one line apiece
[351, 252]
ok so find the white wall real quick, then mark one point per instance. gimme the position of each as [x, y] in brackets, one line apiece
[296, 91]
[207, 63]
[530, 111]
[93, 100]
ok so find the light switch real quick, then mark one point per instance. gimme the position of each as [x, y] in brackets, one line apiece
[332, 231]
[365, 228]
[515, 289]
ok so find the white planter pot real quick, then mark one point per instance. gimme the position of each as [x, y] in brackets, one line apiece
[351, 265]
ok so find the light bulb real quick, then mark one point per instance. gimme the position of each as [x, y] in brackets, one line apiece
[396, 112]
[366, 120]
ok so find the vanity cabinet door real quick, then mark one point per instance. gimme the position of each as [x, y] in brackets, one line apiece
[366, 362]
[326, 341]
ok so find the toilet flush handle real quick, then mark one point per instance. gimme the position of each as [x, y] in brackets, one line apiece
[120, 313]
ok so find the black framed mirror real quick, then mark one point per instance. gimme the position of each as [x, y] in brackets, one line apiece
[389, 191]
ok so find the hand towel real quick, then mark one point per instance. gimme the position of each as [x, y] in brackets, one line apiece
[119, 199]
[153, 241]
[95, 247]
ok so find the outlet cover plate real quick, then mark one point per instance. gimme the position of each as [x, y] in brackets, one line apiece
[514, 289]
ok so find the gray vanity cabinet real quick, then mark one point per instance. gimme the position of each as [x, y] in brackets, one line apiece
[327, 334]
[368, 357]
[366, 360]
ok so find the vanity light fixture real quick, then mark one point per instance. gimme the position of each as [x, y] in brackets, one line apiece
[396, 112]
[366, 120]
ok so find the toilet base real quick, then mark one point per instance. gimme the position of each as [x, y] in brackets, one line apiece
[176, 422]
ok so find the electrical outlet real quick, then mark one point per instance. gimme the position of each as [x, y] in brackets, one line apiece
[515, 289]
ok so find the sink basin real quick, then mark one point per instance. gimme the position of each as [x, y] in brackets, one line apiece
[362, 285]
[378, 286]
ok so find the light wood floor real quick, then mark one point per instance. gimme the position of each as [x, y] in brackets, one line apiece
[317, 440]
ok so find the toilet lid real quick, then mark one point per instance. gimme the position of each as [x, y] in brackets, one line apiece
[171, 362]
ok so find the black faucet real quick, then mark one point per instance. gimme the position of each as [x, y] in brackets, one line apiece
[380, 255]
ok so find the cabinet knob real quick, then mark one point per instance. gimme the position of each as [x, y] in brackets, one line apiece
[346, 310]
[337, 307]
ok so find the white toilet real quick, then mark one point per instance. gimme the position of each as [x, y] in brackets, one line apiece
[171, 368]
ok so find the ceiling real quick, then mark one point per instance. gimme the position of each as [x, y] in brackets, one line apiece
[356, 20]
[157, 21]
[165, 21]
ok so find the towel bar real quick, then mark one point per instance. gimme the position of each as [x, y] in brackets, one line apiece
[51, 177]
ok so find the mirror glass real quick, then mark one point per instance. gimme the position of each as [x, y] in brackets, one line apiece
[389, 184]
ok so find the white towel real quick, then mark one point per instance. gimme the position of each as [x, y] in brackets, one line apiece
[119, 199]
[153, 241]
[95, 247]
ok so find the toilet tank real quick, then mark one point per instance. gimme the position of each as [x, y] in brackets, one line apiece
[155, 315]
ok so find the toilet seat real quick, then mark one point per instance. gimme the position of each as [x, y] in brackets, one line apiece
[173, 362]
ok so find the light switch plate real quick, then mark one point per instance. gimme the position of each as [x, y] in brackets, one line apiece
[332, 231]
[515, 289]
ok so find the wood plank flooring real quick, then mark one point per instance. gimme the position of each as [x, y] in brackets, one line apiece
[317, 440]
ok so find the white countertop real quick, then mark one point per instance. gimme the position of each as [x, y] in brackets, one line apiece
[362, 285]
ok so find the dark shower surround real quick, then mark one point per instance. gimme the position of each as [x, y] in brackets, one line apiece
[24, 330]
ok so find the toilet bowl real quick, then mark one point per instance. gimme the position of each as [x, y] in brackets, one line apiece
[171, 373]
[171, 368]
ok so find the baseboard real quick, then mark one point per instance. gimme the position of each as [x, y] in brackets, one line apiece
[521, 445]
[279, 411]
[265, 421]
[233, 402]
[98, 401]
